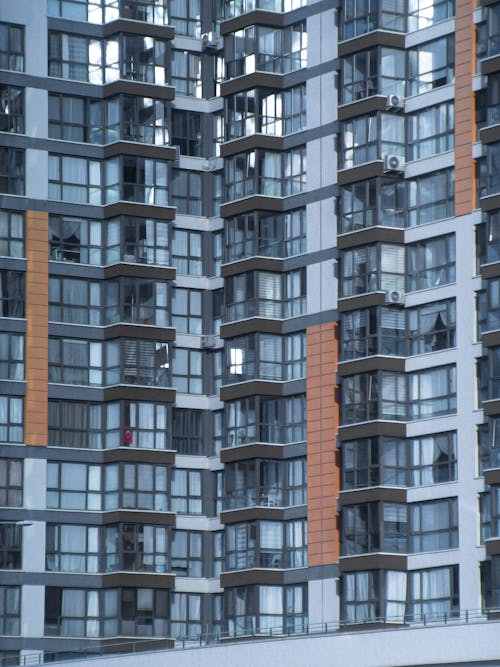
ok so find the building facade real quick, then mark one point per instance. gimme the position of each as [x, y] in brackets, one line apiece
[250, 292]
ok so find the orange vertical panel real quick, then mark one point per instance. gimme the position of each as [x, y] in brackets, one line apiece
[323, 480]
[37, 328]
[465, 59]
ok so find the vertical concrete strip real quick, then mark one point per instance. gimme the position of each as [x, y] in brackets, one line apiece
[37, 328]
[322, 425]
[465, 130]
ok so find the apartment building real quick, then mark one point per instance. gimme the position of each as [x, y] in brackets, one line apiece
[250, 292]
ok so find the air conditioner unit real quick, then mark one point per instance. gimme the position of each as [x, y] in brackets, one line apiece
[210, 41]
[394, 298]
[394, 164]
[208, 342]
[395, 102]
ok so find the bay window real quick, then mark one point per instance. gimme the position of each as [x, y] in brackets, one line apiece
[372, 268]
[123, 360]
[376, 71]
[374, 395]
[266, 173]
[265, 419]
[266, 234]
[369, 138]
[135, 548]
[126, 56]
[371, 331]
[135, 486]
[381, 461]
[266, 544]
[265, 482]
[373, 527]
[265, 356]
[264, 294]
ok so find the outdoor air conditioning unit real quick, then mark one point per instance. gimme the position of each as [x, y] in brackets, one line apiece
[394, 297]
[210, 41]
[395, 102]
[209, 341]
[394, 164]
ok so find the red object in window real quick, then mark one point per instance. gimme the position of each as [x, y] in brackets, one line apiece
[128, 436]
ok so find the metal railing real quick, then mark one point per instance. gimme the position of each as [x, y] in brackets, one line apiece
[400, 622]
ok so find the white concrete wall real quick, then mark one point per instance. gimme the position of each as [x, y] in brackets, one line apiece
[460, 645]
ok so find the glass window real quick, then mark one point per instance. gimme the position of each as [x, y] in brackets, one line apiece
[432, 65]
[11, 171]
[374, 596]
[70, 612]
[367, 73]
[433, 459]
[265, 482]
[432, 392]
[431, 263]
[187, 376]
[11, 48]
[11, 108]
[11, 356]
[11, 419]
[373, 527]
[186, 132]
[186, 552]
[375, 395]
[185, 491]
[187, 435]
[431, 197]
[373, 331]
[72, 548]
[186, 73]
[379, 461]
[10, 610]
[186, 191]
[433, 525]
[185, 615]
[423, 13]
[125, 360]
[431, 131]
[74, 486]
[12, 233]
[135, 548]
[11, 482]
[10, 546]
[187, 252]
[185, 17]
[136, 486]
[371, 268]
[432, 327]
